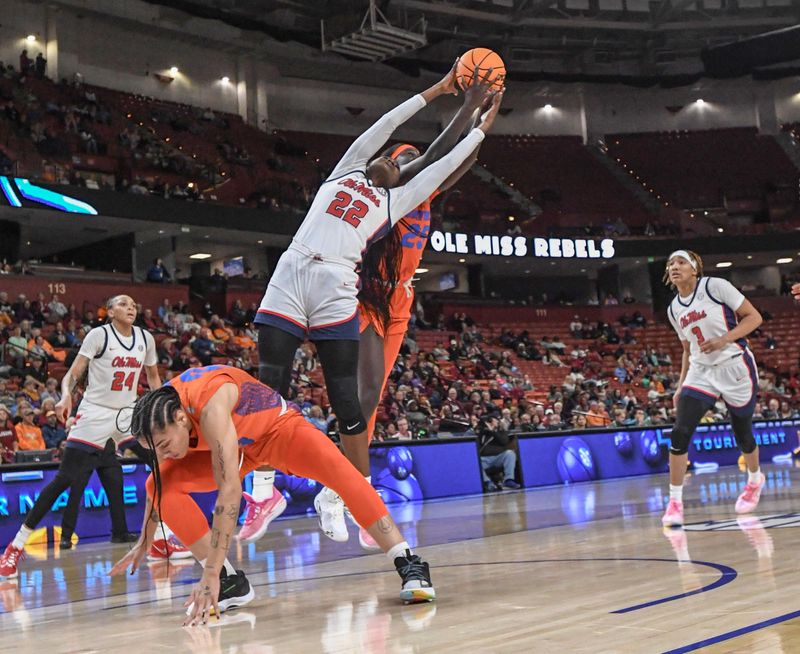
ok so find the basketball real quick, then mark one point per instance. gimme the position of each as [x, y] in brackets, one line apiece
[475, 63]
[575, 461]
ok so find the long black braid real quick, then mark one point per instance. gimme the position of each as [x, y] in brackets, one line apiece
[379, 275]
[154, 410]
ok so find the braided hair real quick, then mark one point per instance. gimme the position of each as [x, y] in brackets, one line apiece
[154, 410]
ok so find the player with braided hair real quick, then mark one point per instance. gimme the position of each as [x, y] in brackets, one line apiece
[209, 428]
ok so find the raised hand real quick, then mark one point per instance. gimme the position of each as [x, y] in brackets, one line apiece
[488, 118]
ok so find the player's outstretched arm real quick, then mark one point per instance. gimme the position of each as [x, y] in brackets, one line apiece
[474, 98]
[796, 291]
[405, 198]
[219, 432]
[366, 145]
[459, 172]
[153, 377]
[68, 383]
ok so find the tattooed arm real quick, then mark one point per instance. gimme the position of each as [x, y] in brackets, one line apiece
[219, 432]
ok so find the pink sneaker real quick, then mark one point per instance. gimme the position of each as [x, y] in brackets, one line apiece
[673, 516]
[366, 541]
[258, 515]
[8, 562]
[748, 500]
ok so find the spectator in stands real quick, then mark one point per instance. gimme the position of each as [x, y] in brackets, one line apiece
[576, 327]
[36, 371]
[157, 273]
[52, 432]
[640, 419]
[403, 431]
[16, 347]
[597, 415]
[51, 391]
[8, 436]
[773, 410]
[40, 66]
[495, 447]
[29, 436]
[56, 308]
[203, 347]
[25, 63]
[787, 413]
[317, 418]
[579, 421]
[6, 397]
[770, 342]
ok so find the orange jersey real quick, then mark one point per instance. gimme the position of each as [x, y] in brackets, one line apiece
[414, 228]
[256, 414]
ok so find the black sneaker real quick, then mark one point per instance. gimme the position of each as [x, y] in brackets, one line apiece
[416, 576]
[127, 537]
[234, 591]
[66, 542]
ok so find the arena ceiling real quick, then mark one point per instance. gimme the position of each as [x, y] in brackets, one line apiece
[557, 37]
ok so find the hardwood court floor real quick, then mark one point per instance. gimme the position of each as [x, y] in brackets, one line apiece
[584, 568]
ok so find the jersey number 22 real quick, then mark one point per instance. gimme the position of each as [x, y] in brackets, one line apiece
[344, 207]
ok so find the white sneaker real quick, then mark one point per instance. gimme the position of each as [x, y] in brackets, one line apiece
[330, 508]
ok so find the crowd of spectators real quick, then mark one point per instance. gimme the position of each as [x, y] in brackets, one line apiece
[468, 376]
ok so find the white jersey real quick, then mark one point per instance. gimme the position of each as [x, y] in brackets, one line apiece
[708, 313]
[115, 363]
[348, 213]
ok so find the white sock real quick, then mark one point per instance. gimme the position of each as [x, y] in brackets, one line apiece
[402, 549]
[22, 537]
[263, 481]
[754, 477]
[676, 492]
[368, 478]
[229, 569]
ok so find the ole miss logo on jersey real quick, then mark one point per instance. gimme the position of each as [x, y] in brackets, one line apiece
[691, 317]
[126, 362]
[362, 189]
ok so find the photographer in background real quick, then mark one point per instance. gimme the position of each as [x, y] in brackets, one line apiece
[495, 448]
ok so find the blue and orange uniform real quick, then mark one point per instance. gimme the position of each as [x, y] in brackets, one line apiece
[414, 230]
[271, 432]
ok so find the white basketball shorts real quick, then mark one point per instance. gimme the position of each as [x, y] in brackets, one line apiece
[735, 381]
[95, 424]
[312, 296]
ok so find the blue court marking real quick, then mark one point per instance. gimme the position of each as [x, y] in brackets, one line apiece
[728, 575]
[735, 633]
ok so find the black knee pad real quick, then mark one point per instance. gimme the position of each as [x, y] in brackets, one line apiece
[679, 439]
[343, 396]
[743, 431]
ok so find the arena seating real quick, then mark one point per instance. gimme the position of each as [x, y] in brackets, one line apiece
[706, 169]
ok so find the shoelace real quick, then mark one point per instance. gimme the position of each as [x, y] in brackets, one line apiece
[253, 511]
[413, 569]
[14, 556]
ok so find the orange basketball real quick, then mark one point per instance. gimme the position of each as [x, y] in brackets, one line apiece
[475, 63]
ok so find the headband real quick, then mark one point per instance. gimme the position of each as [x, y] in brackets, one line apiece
[685, 255]
[400, 149]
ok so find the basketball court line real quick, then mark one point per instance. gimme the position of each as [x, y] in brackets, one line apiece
[728, 635]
